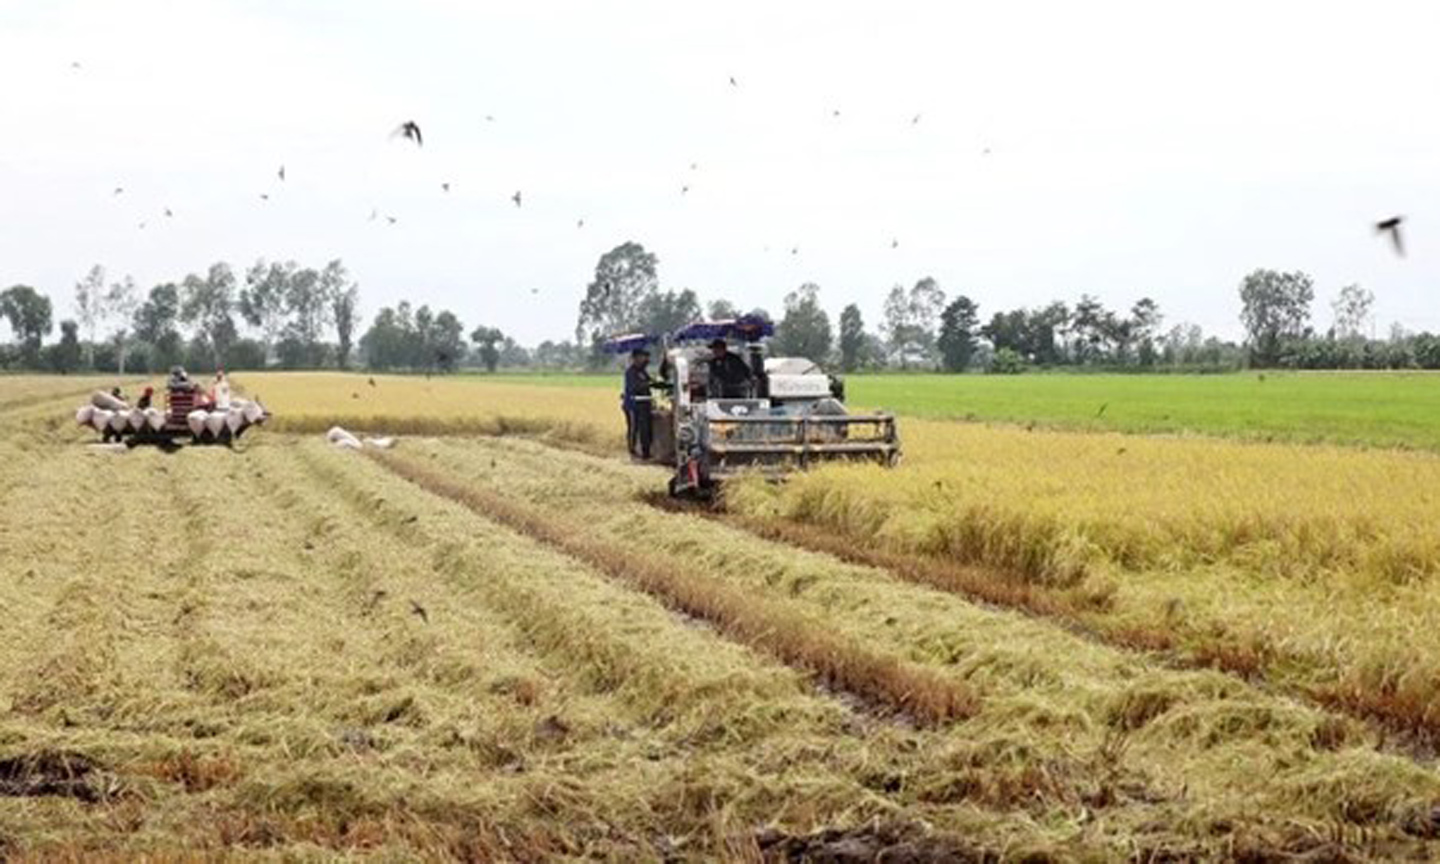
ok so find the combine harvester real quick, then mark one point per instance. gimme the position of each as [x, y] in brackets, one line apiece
[187, 415]
[793, 418]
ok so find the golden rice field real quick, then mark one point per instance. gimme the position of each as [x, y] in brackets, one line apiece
[495, 642]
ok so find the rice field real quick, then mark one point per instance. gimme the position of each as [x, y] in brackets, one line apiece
[495, 642]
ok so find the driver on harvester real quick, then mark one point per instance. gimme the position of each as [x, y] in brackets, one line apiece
[730, 376]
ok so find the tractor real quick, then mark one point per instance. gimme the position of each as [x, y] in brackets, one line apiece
[792, 416]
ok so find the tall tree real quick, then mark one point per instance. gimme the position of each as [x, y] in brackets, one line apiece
[852, 338]
[263, 301]
[487, 341]
[957, 334]
[667, 311]
[65, 355]
[208, 303]
[90, 308]
[1352, 312]
[805, 329]
[307, 300]
[1091, 327]
[720, 309]
[345, 309]
[28, 312]
[121, 300]
[1274, 307]
[154, 324]
[447, 341]
[910, 320]
[624, 277]
[1145, 321]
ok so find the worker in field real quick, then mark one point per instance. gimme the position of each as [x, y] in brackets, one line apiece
[146, 397]
[638, 430]
[730, 376]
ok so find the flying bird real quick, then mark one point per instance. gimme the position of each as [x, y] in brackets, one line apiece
[75, 64]
[373, 214]
[579, 223]
[694, 165]
[391, 219]
[410, 129]
[835, 112]
[516, 198]
[168, 214]
[264, 197]
[895, 244]
[915, 121]
[282, 173]
[417, 609]
[489, 118]
[732, 81]
[684, 189]
[534, 290]
[118, 190]
[445, 186]
[794, 250]
[1392, 227]
[142, 226]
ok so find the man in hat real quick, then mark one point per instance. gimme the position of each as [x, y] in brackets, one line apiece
[730, 376]
[639, 433]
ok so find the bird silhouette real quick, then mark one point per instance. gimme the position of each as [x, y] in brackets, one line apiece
[895, 244]
[417, 609]
[75, 64]
[281, 172]
[579, 223]
[264, 197]
[445, 186]
[835, 112]
[534, 290]
[373, 214]
[794, 250]
[118, 190]
[391, 219]
[1103, 406]
[733, 83]
[1392, 227]
[142, 226]
[985, 152]
[489, 118]
[516, 198]
[684, 189]
[168, 214]
[410, 129]
[915, 121]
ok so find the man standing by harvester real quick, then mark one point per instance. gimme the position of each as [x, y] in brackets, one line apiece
[639, 433]
[730, 378]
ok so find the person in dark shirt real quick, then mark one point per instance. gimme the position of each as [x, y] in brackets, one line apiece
[730, 376]
[639, 432]
[146, 397]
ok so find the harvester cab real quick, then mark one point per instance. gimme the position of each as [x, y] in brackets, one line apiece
[791, 415]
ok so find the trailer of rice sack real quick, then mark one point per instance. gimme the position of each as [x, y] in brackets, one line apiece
[187, 418]
[790, 414]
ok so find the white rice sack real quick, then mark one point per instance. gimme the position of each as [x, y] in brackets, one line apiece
[101, 399]
[381, 443]
[215, 421]
[137, 419]
[83, 415]
[119, 420]
[100, 419]
[196, 421]
[155, 418]
[340, 438]
[234, 419]
[253, 412]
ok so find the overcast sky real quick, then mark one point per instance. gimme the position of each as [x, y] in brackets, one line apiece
[1135, 148]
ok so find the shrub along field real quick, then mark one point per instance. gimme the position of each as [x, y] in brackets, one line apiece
[497, 641]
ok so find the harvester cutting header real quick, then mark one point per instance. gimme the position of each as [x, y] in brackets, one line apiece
[714, 413]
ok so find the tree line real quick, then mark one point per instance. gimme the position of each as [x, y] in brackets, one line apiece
[284, 315]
